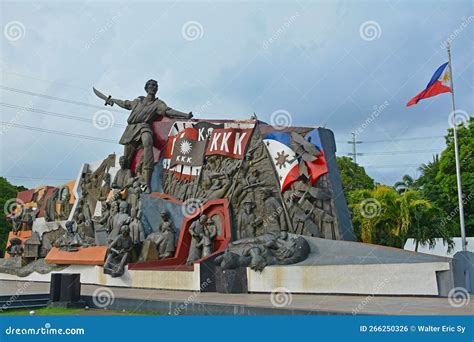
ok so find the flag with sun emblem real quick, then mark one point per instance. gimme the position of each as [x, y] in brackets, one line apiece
[188, 152]
[184, 153]
[283, 157]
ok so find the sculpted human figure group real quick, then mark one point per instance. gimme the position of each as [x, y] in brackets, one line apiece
[15, 248]
[165, 238]
[109, 208]
[247, 221]
[72, 240]
[120, 219]
[202, 236]
[23, 219]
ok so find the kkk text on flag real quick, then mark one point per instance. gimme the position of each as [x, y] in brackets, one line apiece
[230, 142]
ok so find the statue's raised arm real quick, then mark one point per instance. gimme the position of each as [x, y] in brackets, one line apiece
[109, 101]
[173, 113]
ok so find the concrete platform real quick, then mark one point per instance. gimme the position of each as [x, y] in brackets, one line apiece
[347, 267]
[333, 267]
[154, 279]
[193, 303]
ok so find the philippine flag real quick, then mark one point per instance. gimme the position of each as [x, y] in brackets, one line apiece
[438, 84]
[318, 166]
[283, 158]
[286, 162]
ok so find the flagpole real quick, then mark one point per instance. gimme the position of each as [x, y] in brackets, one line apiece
[456, 154]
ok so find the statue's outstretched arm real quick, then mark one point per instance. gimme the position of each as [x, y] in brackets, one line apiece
[125, 104]
[170, 112]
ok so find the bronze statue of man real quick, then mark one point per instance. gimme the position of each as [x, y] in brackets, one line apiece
[118, 253]
[196, 230]
[144, 110]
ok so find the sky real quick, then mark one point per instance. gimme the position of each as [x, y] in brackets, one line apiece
[350, 66]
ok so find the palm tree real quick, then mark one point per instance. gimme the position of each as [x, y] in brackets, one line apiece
[414, 217]
[397, 217]
[422, 221]
[377, 214]
[407, 183]
[431, 167]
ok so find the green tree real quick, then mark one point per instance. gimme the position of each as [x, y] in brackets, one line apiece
[374, 214]
[8, 192]
[437, 182]
[353, 175]
[446, 177]
[423, 209]
[426, 226]
[383, 216]
[407, 183]
[426, 183]
[430, 189]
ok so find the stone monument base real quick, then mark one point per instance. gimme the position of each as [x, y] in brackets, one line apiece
[11, 264]
[333, 267]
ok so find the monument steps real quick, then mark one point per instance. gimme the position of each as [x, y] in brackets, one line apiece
[29, 301]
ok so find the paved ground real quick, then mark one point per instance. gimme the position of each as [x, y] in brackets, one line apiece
[344, 304]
